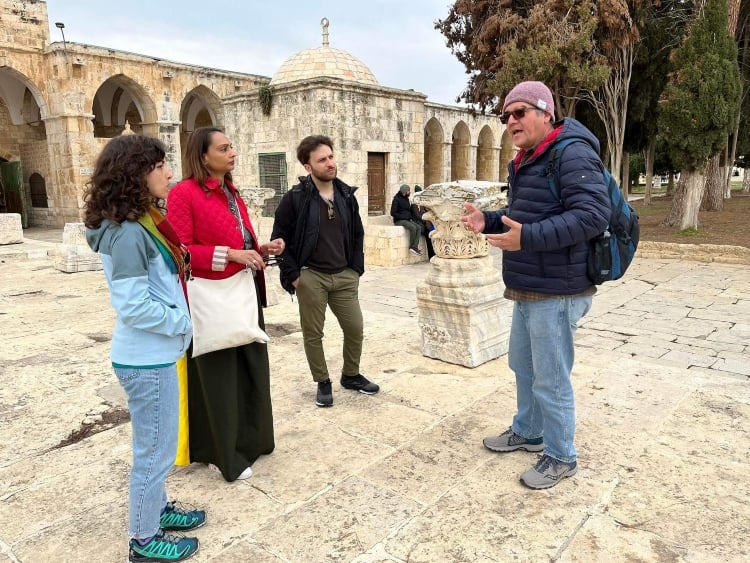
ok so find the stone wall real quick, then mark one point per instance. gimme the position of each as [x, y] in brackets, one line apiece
[24, 23]
[35, 159]
[359, 119]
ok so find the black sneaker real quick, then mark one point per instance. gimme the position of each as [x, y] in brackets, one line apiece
[162, 548]
[325, 394]
[176, 519]
[359, 383]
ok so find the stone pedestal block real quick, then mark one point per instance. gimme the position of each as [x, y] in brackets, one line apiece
[74, 254]
[11, 230]
[463, 317]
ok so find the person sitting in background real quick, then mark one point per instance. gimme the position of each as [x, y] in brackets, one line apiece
[417, 213]
[401, 213]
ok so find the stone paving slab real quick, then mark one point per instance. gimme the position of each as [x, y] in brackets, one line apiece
[663, 435]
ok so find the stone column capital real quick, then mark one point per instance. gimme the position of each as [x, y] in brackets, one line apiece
[445, 205]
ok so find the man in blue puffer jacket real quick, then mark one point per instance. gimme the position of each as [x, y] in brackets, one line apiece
[544, 242]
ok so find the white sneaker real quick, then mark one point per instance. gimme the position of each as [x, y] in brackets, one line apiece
[245, 474]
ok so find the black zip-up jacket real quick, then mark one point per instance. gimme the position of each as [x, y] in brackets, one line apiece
[400, 208]
[298, 223]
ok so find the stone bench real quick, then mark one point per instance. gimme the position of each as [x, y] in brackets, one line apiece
[387, 244]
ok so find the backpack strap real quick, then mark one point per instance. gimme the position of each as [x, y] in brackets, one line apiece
[553, 165]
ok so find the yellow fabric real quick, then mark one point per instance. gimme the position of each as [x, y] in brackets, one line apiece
[183, 443]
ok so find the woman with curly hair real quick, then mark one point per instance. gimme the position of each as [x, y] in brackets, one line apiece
[143, 261]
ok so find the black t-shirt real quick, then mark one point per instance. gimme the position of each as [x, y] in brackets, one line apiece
[329, 256]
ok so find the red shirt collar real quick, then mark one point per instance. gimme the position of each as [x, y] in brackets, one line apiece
[540, 148]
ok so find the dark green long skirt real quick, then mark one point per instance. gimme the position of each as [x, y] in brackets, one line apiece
[229, 407]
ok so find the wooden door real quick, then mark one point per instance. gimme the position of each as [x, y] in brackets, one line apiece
[376, 183]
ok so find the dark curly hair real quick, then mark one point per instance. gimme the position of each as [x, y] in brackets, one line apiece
[309, 144]
[117, 190]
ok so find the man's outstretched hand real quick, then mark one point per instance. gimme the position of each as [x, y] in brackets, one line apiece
[474, 219]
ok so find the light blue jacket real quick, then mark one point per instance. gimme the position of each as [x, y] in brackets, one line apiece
[153, 325]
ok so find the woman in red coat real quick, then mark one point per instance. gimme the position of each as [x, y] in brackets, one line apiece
[229, 398]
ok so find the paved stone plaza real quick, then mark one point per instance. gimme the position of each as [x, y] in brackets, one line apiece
[662, 379]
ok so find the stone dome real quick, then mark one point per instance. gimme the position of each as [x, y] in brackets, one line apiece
[323, 61]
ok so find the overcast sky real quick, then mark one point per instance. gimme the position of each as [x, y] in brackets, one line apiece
[396, 39]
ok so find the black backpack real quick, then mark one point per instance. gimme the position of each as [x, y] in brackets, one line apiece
[611, 252]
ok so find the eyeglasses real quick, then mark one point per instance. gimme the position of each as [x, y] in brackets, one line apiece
[272, 260]
[331, 210]
[517, 113]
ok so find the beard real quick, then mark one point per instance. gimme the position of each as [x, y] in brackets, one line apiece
[324, 175]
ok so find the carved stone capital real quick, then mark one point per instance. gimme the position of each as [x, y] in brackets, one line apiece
[445, 205]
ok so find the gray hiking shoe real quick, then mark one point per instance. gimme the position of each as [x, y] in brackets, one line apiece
[548, 472]
[509, 441]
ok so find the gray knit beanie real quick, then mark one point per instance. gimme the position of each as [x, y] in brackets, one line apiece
[404, 189]
[534, 93]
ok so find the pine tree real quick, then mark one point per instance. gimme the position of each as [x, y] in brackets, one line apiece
[699, 105]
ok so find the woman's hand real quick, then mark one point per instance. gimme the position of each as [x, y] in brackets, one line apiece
[248, 258]
[274, 247]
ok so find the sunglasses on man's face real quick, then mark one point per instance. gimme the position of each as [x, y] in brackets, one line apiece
[517, 113]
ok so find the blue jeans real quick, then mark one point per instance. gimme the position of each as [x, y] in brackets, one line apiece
[153, 401]
[541, 354]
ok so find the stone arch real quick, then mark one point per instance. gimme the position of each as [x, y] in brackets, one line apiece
[507, 150]
[38, 190]
[201, 107]
[119, 99]
[460, 149]
[485, 162]
[15, 89]
[434, 139]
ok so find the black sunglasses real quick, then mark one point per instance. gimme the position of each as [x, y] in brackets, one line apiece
[517, 113]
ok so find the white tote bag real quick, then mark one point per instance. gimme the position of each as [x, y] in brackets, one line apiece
[224, 313]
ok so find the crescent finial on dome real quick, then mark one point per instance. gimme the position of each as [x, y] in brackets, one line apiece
[324, 23]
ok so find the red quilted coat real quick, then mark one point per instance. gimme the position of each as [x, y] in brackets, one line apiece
[204, 222]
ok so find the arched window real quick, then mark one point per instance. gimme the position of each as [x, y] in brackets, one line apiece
[38, 190]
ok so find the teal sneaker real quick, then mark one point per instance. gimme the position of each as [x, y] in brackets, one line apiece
[163, 548]
[177, 519]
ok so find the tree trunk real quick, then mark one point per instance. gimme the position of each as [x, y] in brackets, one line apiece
[611, 103]
[713, 194]
[687, 201]
[732, 154]
[625, 173]
[650, 155]
[745, 181]
[670, 184]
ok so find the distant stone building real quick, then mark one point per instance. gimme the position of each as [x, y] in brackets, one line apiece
[61, 101]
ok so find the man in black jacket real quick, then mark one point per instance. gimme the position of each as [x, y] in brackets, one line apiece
[322, 262]
[401, 213]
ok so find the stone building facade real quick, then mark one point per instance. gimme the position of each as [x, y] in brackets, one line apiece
[61, 101]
